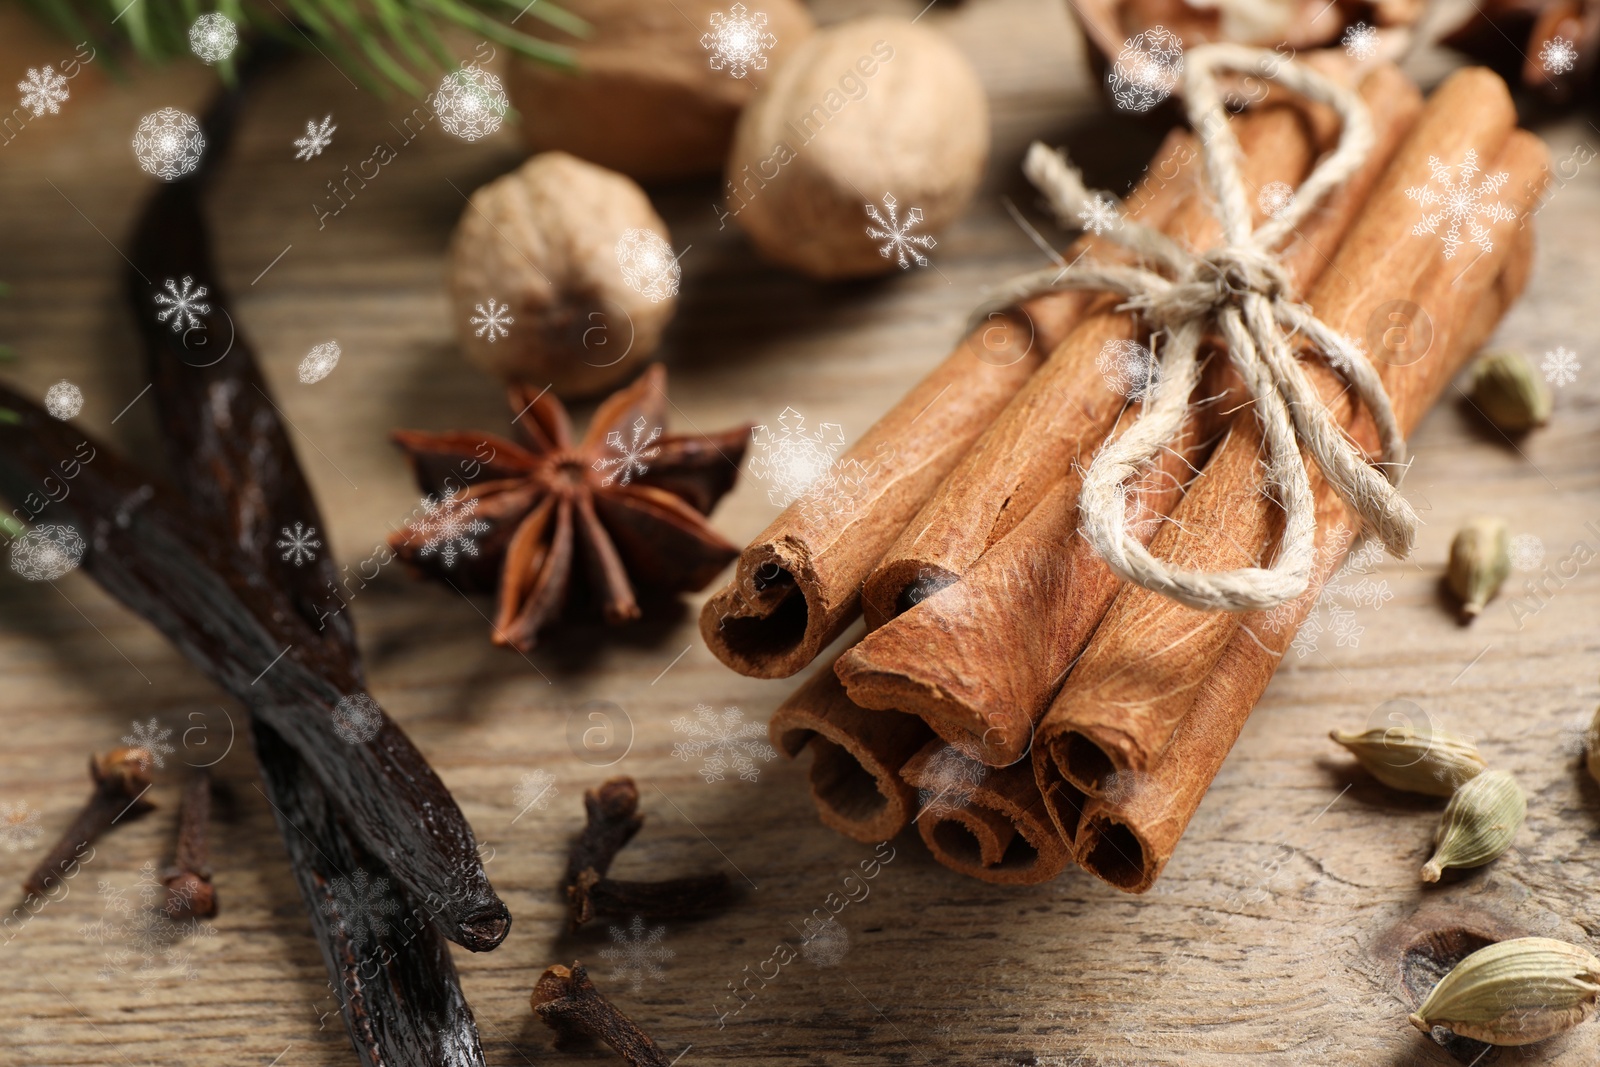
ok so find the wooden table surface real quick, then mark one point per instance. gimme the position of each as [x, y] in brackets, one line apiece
[1276, 932]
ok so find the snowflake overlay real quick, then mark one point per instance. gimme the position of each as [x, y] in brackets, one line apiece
[151, 737]
[168, 143]
[1350, 588]
[319, 362]
[470, 103]
[950, 778]
[43, 90]
[630, 457]
[1561, 367]
[1128, 367]
[1147, 69]
[1099, 214]
[536, 790]
[496, 322]
[897, 238]
[636, 953]
[1361, 42]
[213, 37]
[648, 265]
[46, 553]
[1527, 552]
[19, 826]
[360, 906]
[793, 460]
[1460, 204]
[1275, 199]
[141, 942]
[357, 719]
[825, 943]
[299, 544]
[1340, 359]
[63, 400]
[1556, 56]
[318, 136]
[738, 41]
[448, 528]
[183, 307]
[725, 741]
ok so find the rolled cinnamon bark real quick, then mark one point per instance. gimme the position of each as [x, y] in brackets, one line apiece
[1127, 839]
[856, 757]
[797, 586]
[1035, 597]
[1064, 411]
[1140, 671]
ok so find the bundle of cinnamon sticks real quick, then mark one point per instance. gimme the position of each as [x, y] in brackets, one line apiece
[1012, 697]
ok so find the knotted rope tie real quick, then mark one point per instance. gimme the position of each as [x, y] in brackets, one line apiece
[1241, 290]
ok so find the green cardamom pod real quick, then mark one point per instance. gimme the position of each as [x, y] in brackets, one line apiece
[1480, 559]
[1434, 763]
[1509, 392]
[1592, 748]
[1514, 992]
[1478, 823]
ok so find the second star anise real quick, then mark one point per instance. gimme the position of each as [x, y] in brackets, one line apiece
[620, 512]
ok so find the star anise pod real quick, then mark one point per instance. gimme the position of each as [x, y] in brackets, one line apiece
[625, 506]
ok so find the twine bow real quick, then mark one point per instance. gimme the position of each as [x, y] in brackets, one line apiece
[1241, 288]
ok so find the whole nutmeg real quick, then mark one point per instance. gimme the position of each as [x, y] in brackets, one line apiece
[878, 113]
[561, 273]
[658, 86]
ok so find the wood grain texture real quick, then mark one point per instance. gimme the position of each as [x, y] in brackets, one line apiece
[1274, 935]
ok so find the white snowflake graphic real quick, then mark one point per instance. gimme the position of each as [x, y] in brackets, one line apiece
[825, 943]
[1556, 56]
[151, 737]
[470, 103]
[357, 718]
[299, 544]
[1361, 42]
[795, 462]
[318, 136]
[46, 553]
[213, 37]
[1459, 204]
[1340, 358]
[738, 41]
[448, 528]
[1350, 588]
[183, 307]
[725, 741]
[1527, 552]
[948, 782]
[631, 454]
[1561, 367]
[1275, 199]
[168, 143]
[140, 941]
[636, 953]
[536, 790]
[43, 90]
[836, 494]
[496, 322]
[319, 362]
[1147, 69]
[63, 400]
[897, 238]
[19, 826]
[360, 905]
[1099, 214]
[1128, 367]
[648, 265]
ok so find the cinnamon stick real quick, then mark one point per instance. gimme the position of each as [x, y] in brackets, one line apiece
[797, 586]
[1063, 412]
[1139, 673]
[1127, 840]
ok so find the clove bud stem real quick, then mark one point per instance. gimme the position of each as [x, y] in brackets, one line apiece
[188, 880]
[571, 1006]
[121, 778]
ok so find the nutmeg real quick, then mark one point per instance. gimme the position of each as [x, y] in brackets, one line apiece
[873, 112]
[645, 98]
[561, 273]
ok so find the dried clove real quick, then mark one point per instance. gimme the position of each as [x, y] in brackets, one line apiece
[188, 881]
[613, 820]
[570, 1005]
[121, 779]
